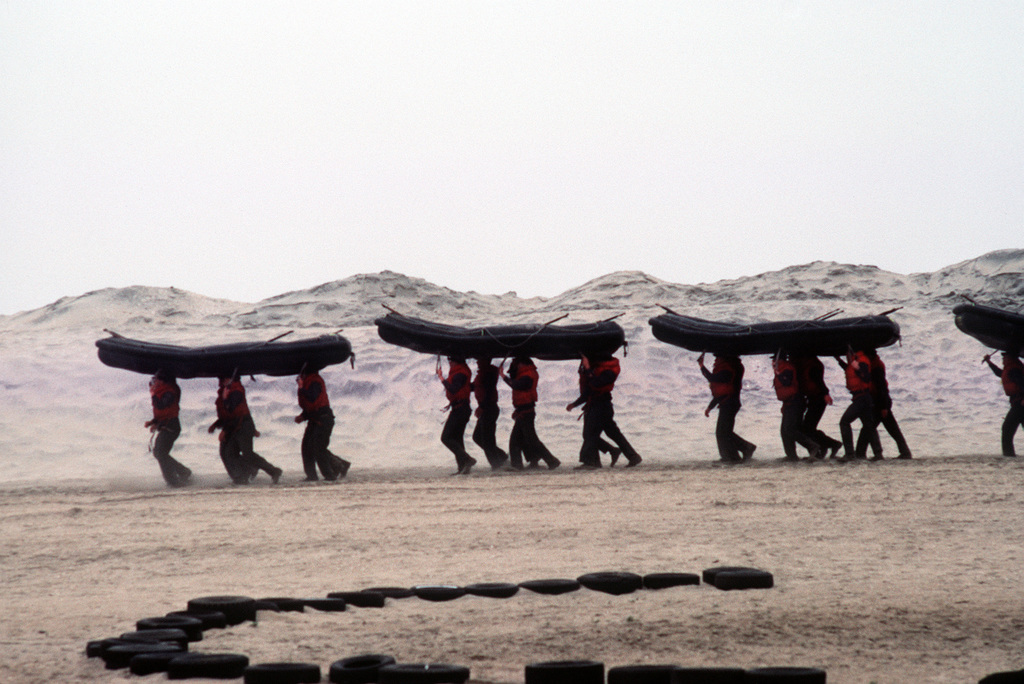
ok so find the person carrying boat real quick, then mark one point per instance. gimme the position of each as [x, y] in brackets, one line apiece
[883, 414]
[787, 390]
[810, 373]
[237, 431]
[319, 419]
[597, 378]
[726, 381]
[457, 389]
[485, 390]
[1012, 376]
[603, 446]
[165, 396]
[523, 442]
[858, 380]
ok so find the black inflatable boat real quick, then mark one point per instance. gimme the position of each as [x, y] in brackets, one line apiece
[996, 328]
[539, 341]
[244, 358]
[818, 337]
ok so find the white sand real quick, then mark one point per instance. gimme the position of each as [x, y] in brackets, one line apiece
[891, 572]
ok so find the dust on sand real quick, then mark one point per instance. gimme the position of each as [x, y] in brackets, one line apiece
[884, 572]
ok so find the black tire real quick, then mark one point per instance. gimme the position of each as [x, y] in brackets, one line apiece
[393, 592]
[551, 586]
[422, 673]
[744, 579]
[192, 627]
[499, 590]
[665, 580]
[360, 599]
[709, 574]
[211, 619]
[171, 636]
[264, 604]
[616, 583]
[361, 669]
[120, 656]
[236, 609]
[210, 665]
[287, 604]
[95, 648]
[641, 674]
[150, 663]
[438, 592]
[565, 672]
[785, 675]
[709, 675]
[282, 673]
[1016, 677]
[327, 605]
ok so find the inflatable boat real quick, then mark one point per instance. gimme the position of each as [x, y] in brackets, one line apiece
[996, 328]
[540, 341]
[817, 337]
[243, 358]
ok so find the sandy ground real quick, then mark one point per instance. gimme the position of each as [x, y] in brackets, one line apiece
[890, 572]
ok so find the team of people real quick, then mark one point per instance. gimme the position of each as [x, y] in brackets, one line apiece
[238, 430]
[526, 451]
[798, 381]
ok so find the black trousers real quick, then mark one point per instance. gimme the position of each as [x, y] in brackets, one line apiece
[730, 445]
[888, 421]
[523, 442]
[1014, 419]
[791, 428]
[315, 442]
[598, 418]
[485, 434]
[861, 408]
[175, 474]
[812, 416]
[236, 451]
[453, 434]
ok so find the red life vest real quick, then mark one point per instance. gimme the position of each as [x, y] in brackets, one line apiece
[599, 369]
[810, 376]
[785, 382]
[858, 373]
[306, 383]
[1013, 372]
[720, 389]
[241, 410]
[526, 396]
[164, 397]
[461, 395]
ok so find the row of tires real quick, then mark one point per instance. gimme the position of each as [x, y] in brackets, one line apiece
[384, 669]
[161, 644]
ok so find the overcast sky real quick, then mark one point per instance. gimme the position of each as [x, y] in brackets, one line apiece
[245, 149]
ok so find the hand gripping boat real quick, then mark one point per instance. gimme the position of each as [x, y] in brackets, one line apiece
[536, 340]
[996, 328]
[815, 337]
[224, 360]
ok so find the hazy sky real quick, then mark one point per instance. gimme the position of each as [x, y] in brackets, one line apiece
[244, 149]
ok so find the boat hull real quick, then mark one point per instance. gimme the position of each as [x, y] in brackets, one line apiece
[547, 342]
[244, 358]
[996, 328]
[818, 338]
